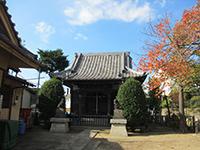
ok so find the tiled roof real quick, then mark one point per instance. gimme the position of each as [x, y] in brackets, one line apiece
[100, 66]
[23, 49]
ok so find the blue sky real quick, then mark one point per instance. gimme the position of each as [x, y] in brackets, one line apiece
[87, 26]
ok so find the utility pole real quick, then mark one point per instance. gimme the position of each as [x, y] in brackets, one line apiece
[38, 84]
[36, 98]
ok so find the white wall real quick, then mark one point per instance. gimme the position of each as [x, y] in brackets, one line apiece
[26, 101]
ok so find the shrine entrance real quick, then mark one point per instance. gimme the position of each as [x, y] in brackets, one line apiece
[96, 103]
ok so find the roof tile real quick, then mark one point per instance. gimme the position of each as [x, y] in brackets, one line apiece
[100, 66]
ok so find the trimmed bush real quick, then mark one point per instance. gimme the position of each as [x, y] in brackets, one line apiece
[50, 94]
[132, 99]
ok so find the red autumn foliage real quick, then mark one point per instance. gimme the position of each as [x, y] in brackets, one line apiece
[171, 48]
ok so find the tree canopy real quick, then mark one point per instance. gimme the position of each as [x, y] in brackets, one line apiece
[53, 60]
[171, 50]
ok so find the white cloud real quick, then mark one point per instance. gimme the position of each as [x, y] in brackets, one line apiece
[89, 11]
[80, 36]
[44, 30]
[160, 2]
[69, 12]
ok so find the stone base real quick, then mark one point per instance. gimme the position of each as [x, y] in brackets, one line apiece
[118, 114]
[59, 125]
[118, 127]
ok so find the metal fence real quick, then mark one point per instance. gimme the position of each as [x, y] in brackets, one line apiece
[90, 120]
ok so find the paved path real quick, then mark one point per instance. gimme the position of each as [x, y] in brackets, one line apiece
[98, 139]
[38, 139]
[82, 139]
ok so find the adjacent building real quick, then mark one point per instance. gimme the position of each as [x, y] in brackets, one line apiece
[12, 57]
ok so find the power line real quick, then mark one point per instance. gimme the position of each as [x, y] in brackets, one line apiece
[21, 76]
[36, 78]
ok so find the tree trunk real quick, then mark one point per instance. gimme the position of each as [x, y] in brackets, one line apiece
[181, 109]
[168, 108]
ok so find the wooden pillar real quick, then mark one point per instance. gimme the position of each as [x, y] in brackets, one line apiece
[79, 103]
[79, 108]
[109, 104]
[2, 74]
[97, 103]
[72, 97]
[1, 88]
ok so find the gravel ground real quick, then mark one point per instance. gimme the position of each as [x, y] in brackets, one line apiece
[157, 139]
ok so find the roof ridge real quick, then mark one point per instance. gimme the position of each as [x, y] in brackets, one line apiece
[11, 22]
[134, 71]
[100, 66]
[103, 53]
[16, 33]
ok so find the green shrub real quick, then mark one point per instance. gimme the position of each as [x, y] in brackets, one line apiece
[50, 94]
[195, 104]
[132, 99]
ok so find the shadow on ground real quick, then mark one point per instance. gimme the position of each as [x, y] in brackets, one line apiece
[156, 129]
[39, 139]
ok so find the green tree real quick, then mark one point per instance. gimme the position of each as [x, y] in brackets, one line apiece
[194, 84]
[50, 94]
[194, 104]
[132, 99]
[53, 60]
